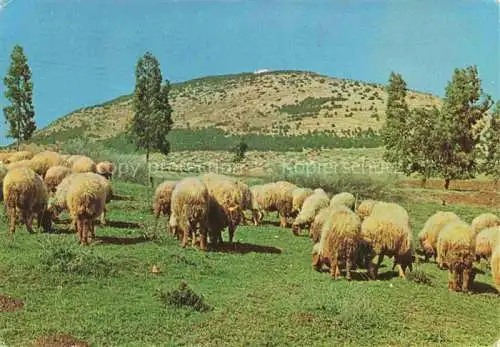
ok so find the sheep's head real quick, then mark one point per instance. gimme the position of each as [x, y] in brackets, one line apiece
[427, 249]
[296, 228]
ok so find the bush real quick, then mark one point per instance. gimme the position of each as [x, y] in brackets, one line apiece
[184, 297]
[68, 260]
[420, 277]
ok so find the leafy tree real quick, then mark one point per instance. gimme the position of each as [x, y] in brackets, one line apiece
[19, 115]
[240, 150]
[395, 131]
[490, 145]
[152, 119]
[421, 142]
[463, 107]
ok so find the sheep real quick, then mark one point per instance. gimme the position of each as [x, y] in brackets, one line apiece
[42, 161]
[249, 202]
[277, 196]
[346, 199]
[456, 246]
[320, 219]
[58, 202]
[430, 232]
[105, 168]
[387, 232]
[190, 208]
[495, 267]
[86, 200]
[299, 195]
[225, 205]
[483, 221]
[55, 175]
[18, 156]
[25, 193]
[163, 198]
[340, 237]
[365, 208]
[3, 172]
[312, 205]
[20, 164]
[486, 241]
[4, 157]
[83, 164]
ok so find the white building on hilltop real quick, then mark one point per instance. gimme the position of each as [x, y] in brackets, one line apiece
[259, 71]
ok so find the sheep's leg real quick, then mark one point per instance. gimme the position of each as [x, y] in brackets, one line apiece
[203, 239]
[348, 266]
[334, 270]
[185, 238]
[401, 271]
[374, 267]
[283, 221]
[103, 217]
[452, 279]
[231, 229]
[79, 230]
[467, 280]
[12, 220]
[28, 221]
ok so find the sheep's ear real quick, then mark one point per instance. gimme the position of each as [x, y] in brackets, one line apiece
[232, 208]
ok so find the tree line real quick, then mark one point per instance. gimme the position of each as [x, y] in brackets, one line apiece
[458, 140]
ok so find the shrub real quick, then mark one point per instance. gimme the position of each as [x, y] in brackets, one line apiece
[184, 297]
[420, 277]
[239, 151]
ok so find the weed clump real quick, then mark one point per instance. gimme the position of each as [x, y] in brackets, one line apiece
[184, 297]
[82, 262]
[420, 277]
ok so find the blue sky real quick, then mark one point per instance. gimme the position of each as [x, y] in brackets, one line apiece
[84, 52]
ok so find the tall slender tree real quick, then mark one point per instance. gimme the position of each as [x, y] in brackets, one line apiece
[152, 119]
[490, 145]
[20, 114]
[464, 106]
[395, 130]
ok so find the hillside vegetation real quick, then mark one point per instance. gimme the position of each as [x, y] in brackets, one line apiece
[276, 103]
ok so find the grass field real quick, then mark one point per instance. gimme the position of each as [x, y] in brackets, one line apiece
[262, 293]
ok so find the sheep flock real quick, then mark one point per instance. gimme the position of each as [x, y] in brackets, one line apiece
[346, 233]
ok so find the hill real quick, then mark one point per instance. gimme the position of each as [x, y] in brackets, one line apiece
[272, 103]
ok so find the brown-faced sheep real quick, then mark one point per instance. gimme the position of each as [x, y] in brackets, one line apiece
[486, 241]
[42, 161]
[55, 175]
[163, 198]
[18, 156]
[86, 200]
[225, 205]
[312, 205]
[430, 232]
[456, 246]
[495, 267]
[25, 193]
[483, 221]
[299, 195]
[387, 233]
[190, 204]
[340, 237]
[277, 196]
[365, 208]
[346, 199]
[105, 168]
[83, 164]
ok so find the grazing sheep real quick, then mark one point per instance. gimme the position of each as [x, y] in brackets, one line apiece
[83, 164]
[20, 164]
[4, 157]
[105, 168]
[456, 246]
[388, 233]
[430, 232]
[3, 172]
[225, 205]
[190, 204]
[55, 175]
[25, 193]
[346, 199]
[365, 208]
[340, 237]
[42, 161]
[299, 195]
[483, 221]
[486, 241]
[495, 267]
[312, 205]
[277, 196]
[321, 217]
[18, 156]
[86, 200]
[163, 198]
[249, 202]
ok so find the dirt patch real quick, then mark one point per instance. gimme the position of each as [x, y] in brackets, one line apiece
[59, 340]
[8, 304]
[481, 199]
[460, 185]
[304, 317]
